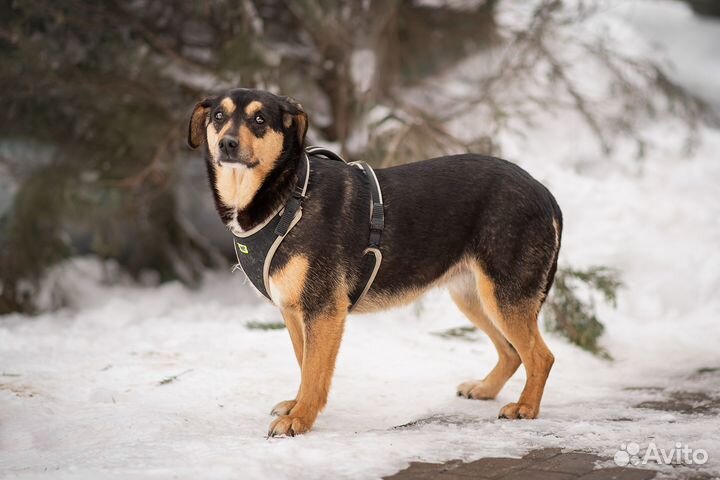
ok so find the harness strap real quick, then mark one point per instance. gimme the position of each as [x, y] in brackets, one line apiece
[295, 202]
[325, 153]
[377, 210]
[371, 264]
[372, 257]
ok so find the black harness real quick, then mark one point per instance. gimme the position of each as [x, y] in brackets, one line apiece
[256, 248]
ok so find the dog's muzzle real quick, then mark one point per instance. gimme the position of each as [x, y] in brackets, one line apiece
[231, 156]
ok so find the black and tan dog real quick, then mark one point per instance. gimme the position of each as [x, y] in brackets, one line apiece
[479, 225]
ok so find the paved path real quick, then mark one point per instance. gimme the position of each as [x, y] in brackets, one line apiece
[688, 398]
[546, 464]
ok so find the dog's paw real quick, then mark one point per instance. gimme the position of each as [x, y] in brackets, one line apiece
[515, 411]
[283, 408]
[477, 390]
[289, 426]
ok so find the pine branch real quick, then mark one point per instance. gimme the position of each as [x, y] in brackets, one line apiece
[574, 317]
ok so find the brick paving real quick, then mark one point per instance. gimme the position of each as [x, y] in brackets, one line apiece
[545, 464]
[690, 398]
[695, 395]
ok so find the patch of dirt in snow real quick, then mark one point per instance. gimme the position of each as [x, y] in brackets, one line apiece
[697, 395]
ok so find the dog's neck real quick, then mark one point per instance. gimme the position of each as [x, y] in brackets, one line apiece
[271, 194]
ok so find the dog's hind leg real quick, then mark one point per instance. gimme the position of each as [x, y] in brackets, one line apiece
[518, 324]
[465, 295]
[523, 332]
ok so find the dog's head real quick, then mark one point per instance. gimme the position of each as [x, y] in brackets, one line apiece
[250, 137]
[245, 128]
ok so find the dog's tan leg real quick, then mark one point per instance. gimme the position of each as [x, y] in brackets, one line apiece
[323, 332]
[294, 324]
[523, 333]
[518, 324]
[465, 296]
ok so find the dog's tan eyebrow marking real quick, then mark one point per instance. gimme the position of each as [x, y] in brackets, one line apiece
[253, 107]
[228, 105]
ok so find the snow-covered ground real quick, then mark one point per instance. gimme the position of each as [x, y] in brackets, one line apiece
[82, 392]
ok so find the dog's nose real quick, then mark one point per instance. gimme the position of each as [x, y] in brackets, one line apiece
[228, 145]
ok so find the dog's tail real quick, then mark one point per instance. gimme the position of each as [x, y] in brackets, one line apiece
[558, 225]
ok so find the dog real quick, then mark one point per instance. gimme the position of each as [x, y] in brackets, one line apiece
[479, 225]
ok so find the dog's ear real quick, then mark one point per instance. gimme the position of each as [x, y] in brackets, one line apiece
[293, 113]
[196, 127]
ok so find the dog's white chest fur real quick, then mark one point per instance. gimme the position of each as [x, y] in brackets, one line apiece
[234, 226]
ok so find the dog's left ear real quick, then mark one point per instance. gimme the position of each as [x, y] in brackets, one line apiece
[293, 113]
[196, 127]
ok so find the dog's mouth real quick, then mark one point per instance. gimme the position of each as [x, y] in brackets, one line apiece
[237, 162]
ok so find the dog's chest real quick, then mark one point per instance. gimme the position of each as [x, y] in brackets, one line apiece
[233, 225]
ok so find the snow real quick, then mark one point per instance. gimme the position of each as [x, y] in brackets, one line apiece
[687, 39]
[81, 394]
[362, 69]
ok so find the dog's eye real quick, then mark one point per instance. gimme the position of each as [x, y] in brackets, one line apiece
[259, 119]
[219, 116]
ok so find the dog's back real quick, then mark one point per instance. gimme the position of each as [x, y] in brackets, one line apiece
[444, 214]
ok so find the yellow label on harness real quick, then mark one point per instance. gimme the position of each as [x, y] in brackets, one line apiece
[242, 248]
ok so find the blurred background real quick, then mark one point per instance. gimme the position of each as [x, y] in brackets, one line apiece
[97, 95]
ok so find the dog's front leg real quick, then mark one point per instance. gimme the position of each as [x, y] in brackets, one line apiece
[322, 334]
[293, 317]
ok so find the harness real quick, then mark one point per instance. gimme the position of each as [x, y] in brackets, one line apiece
[256, 248]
